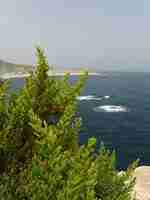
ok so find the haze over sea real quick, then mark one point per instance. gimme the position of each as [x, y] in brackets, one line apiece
[116, 110]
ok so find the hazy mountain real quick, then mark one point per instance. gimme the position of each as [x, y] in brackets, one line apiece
[6, 67]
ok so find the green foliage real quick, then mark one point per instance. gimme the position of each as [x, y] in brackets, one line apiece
[3, 95]
[41, 158]
[120, 186]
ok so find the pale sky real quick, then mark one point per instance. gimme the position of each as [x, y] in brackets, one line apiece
[101, 33]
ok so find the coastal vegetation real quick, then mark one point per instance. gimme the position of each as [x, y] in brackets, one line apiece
[40, 155]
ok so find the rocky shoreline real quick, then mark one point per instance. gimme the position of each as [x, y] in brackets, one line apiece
[142, 186]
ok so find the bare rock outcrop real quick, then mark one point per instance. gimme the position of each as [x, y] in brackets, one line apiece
[142, 186]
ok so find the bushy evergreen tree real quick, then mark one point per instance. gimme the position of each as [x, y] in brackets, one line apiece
[41, 158]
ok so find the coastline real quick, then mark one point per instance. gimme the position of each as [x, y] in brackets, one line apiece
[12, 75]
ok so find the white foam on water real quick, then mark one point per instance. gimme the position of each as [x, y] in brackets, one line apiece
[89, 98]
[110, 108]
[106, 97]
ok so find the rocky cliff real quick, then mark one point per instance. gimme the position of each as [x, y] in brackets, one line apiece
[142, 186]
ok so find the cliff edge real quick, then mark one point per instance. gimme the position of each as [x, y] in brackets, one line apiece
[142, 186]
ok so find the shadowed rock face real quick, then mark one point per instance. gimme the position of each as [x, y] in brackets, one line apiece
[142, 187]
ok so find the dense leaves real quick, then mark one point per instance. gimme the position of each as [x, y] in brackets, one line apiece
[40, 157]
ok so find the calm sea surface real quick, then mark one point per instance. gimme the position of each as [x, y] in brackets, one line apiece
[116, 110]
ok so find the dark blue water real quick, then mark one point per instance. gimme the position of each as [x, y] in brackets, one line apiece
[126, 132]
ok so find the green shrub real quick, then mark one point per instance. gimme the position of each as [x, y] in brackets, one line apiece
[41, 158]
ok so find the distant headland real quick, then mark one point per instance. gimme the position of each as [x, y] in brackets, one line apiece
[10, 70]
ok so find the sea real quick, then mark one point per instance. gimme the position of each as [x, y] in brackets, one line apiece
[115, 109]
